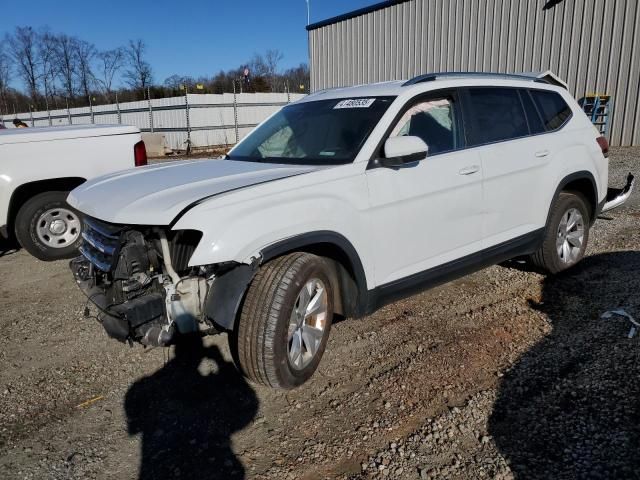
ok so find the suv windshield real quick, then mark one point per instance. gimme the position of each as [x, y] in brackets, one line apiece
[311, 133]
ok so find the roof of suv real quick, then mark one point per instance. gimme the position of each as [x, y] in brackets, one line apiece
[449, 79]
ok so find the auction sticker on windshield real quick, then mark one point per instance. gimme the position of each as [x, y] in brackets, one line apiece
[355, 103]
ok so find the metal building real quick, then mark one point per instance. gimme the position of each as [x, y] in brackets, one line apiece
[594, 45]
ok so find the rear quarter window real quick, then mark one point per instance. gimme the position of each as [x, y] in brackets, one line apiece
[552, 107]
[533, 117]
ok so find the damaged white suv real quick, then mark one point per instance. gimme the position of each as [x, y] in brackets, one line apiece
[336, 205]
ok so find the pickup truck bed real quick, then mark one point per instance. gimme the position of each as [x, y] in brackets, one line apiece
[41, 165]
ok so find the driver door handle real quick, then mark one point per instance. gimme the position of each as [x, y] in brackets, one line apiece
[471, 169]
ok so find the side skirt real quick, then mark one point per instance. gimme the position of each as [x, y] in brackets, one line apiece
[404, 287]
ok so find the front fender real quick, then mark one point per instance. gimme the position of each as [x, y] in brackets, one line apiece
[227, 291]
[239, 226]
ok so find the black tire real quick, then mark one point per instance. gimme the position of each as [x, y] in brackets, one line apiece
[547, 257]
[260, 341]
[26, 224]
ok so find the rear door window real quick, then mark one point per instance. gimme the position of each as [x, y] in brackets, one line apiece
[495, 114]
[554, 110]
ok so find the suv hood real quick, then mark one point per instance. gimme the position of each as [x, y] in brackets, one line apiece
[156, 194]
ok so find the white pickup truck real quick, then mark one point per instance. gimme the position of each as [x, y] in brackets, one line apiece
[38, 169]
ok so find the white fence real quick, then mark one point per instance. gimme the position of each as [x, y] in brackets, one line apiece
[201, 119]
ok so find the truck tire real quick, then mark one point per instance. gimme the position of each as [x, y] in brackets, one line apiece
[48, 228]
[566, 235]
[285, 321]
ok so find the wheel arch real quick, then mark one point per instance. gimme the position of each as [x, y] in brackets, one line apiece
[28, 190]
[350, 281]
[348, 278]
[582, 182]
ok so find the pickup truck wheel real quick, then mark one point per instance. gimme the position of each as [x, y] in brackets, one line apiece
[48, 228]
[285, 321]
[567, 234]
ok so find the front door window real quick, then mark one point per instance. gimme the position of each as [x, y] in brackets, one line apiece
[433, 121]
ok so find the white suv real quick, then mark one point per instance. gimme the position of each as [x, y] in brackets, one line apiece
[336, 205]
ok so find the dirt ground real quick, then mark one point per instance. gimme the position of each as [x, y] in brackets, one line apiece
[502, 374]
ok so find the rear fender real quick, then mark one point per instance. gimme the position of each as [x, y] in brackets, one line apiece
[592, 197]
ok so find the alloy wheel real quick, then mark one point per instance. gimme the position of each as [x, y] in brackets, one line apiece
[307, 324]
[570, 236]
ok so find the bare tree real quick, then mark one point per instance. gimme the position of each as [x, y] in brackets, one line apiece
[298, 78]
[110, 62]
[47, 63]
[258, 66]
[264, 70]
[66, 63]
[175, 82]
[60, 65]
[139, 74]
[85, 53]
[272, 59]
[23, 46]
[5, 78]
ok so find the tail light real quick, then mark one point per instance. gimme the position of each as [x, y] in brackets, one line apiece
[139, 154]
[604, 146]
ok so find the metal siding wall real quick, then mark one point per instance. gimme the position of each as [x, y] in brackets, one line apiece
[588, 43]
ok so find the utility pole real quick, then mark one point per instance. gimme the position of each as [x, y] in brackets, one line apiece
[308, 12]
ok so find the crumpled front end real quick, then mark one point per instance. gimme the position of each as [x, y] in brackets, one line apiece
[139, 279]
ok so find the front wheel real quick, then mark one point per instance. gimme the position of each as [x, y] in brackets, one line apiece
[285, 321]
[567, 234]
[48, 228]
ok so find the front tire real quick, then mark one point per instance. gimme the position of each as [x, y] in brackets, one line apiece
[566, 235]
[285, 321]
[48, 228]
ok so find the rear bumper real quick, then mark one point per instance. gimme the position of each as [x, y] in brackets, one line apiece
[618, 196]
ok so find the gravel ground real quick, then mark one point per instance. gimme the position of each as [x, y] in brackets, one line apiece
[505, 374]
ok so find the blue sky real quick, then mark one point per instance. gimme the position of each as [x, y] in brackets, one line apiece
[197, 37]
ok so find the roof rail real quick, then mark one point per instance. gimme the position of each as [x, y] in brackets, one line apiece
[430, 77]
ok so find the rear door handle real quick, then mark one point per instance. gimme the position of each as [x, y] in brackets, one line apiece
[471, 169]
[542, 153]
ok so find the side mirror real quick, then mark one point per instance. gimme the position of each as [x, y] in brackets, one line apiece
[398, 151]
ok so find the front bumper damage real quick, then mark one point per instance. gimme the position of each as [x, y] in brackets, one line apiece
[139, 279]
[145, 315]
[130, 273]
[618, 196]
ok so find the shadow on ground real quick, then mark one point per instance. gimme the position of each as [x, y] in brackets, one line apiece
[186, 418]
[570, 407]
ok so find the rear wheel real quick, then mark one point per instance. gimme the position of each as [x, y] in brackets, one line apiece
[285, 321]
[47, 227]
[567, 234]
